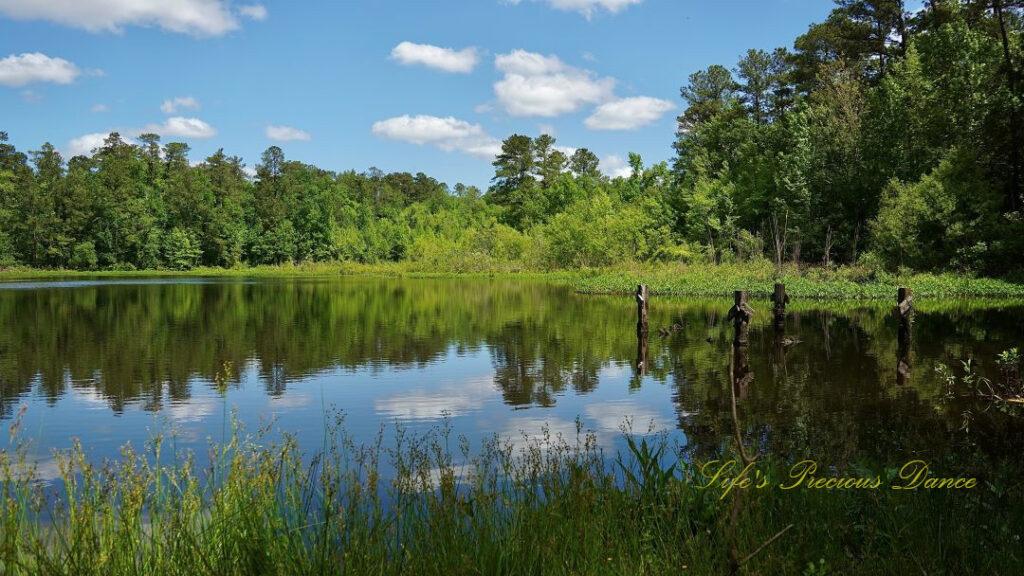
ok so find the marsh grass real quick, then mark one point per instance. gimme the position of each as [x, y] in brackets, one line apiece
[254, 504]
[680, 279]
[759, 277]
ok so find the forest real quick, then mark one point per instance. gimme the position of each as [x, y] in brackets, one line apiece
[883, 137]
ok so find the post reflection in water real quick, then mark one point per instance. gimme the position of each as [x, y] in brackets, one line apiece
[905, 315]
[107, 362]
[642, 353]
[742, 374]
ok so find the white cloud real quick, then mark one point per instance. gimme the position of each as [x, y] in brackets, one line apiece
[291, 400]
[175, 127]
[547, 129]
[626, 416]
[86, 143]
[446, 59]
[538, 85]
[450, 399]
[545, 434]
[587, 7]
[180, 103]
[195, 17]
[628, 113]
[99, 108]
[178, 127]
[448, 134]
[615, 167]
[287, 134]
[191, 410]
[253, 11]
[30, 68]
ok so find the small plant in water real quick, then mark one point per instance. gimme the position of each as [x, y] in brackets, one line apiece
[1006, 391]
[1009, 364]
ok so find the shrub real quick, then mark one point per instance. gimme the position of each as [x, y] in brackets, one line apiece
[181, 250]
[83, 256]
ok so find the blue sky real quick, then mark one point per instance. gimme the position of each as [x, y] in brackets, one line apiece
[400, 85]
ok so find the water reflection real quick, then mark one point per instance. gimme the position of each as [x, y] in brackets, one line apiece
[98, 360]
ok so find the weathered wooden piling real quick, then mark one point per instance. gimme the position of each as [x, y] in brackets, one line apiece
[780, 298]
[741, 313]
[642, 308]
[905, 303]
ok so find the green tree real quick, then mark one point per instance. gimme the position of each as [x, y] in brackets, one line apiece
[585, 164]
[514, 185]
[181, 249]
[549, 162]
[225, 228]
[708, 94]
[756, 74]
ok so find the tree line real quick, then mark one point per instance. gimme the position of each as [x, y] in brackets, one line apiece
[882, 138]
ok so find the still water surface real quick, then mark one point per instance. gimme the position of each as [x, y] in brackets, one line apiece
[112, 361]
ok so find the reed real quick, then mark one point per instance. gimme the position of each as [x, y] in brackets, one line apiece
[255, 504]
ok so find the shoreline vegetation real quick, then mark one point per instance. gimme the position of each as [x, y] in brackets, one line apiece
[254, 504]
[693, 280]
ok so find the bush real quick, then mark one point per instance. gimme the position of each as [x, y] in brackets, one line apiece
[83, 256]
[598, 232]
[181, 250]
[938, 222]
[7, 257]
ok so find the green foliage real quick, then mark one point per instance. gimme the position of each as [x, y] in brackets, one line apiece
[7, 255]
[941, 221]
[598, 232]
[710, 215]
[759, 277]
[181, 250]
[83, 256]
[1006, 392]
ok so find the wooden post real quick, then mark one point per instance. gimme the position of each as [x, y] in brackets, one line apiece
[642, 308]
[905, 302]
[780, 298]
[741, 313]
[779, 301]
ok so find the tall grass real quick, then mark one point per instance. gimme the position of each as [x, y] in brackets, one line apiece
[758, 277]
[255, 504]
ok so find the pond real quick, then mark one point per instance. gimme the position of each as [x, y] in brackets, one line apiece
[113, 361]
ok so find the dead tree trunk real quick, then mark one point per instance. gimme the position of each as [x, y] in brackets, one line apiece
[741, 313]
[779, 301]
[642, 308]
